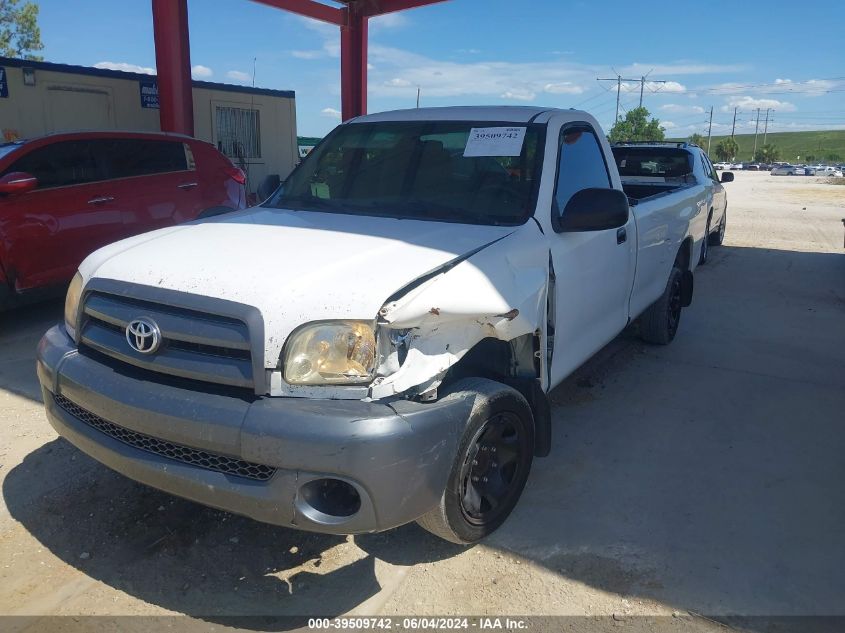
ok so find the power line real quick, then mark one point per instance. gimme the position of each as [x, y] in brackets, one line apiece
[620, 80]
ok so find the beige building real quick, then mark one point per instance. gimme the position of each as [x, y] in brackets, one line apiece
[255, 127]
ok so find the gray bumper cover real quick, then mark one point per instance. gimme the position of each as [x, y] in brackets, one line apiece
[397, 456]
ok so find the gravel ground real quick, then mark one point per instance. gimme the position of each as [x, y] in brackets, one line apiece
[703, 477]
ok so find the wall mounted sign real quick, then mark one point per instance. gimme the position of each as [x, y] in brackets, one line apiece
[149, 94]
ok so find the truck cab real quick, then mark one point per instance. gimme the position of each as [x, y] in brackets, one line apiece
[375, 343]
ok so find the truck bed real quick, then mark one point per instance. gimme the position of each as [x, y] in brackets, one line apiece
[641, 191]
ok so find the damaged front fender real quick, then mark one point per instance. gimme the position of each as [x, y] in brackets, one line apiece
[499, 292]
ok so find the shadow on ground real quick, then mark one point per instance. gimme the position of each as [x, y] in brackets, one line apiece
[706, 475]
[20, 330]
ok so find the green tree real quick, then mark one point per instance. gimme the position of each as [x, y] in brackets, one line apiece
[810, 158]
[636, 126]
[698, 139]
[833, 157]
[19, 32]
[768, 153]
[727, 149]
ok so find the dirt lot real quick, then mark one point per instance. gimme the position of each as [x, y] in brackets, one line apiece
[704, 477]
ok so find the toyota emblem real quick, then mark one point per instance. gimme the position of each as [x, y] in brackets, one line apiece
[143, 335]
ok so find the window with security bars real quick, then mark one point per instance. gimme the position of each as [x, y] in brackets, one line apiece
[238, 132]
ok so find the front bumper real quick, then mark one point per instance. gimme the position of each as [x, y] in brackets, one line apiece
[397, 456]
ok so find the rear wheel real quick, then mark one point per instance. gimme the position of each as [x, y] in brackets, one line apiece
[659, 324]
[491, 467]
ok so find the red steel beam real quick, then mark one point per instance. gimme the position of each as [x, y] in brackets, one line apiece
[309, 9]
[353, 63]
[173, 66]
[380, 7]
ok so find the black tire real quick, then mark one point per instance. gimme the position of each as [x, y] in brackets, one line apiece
[705, 243]
[500, 424]
[717, 238]
[659, 323]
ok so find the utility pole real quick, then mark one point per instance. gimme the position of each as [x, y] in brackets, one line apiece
[710, 131]
[766, 128]
[619, 79]
[733, 129]
[418, 97]
[756, 129]
[642, 86]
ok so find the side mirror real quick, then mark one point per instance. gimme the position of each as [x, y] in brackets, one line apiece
[593, 210]
[18, 182]
[726, 177]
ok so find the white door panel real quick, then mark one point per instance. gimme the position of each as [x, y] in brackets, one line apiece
[593, 269]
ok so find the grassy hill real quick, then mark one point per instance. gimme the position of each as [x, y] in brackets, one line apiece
[792, 145]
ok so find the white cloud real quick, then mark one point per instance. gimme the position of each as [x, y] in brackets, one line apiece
[388, 21]
[810, 88]
[331, 113]
[654, 87]
[680, 68]
[491, 79]
[667, 125]
[239, 75]
[127, 68]
[308, 54]
[201, 72]
[563, 88]
[518, 95]
[682, 109]
[746, 103]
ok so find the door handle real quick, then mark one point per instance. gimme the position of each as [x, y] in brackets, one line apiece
[621, 235]
[100, 199]
[188, 185]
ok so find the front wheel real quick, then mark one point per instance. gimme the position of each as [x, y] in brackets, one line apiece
[491, 467]
[659, 324]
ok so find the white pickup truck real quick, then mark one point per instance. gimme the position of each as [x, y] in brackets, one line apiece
[374, 344]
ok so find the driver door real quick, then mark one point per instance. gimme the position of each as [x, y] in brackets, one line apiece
[593, 269]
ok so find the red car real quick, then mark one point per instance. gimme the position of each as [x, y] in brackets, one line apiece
[65, 195]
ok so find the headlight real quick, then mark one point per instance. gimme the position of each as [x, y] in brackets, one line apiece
[331, 353]
[74, 293]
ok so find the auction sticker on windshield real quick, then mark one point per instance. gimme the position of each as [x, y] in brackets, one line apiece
[494, 141]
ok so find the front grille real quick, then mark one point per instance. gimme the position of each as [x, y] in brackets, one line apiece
[177, 452]
[196, 345]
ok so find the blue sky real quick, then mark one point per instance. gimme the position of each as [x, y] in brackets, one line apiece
[776, 54]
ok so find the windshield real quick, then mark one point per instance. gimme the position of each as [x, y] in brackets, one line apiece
[468, 172]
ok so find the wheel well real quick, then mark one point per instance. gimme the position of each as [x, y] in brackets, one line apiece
[515, 363]
[684, 256]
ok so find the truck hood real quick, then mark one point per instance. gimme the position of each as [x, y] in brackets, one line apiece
[294, 266]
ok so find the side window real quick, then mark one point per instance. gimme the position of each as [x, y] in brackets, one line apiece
[60, 164]
[581, 164]
[140, 157]
[705, 166]
[708, 168]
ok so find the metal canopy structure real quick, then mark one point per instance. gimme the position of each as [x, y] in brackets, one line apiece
[173, 57]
